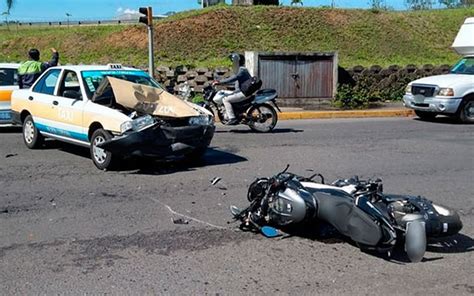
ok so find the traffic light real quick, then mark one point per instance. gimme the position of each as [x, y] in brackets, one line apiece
[148, 18]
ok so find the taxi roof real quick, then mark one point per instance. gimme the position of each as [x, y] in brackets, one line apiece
[9, 65]
[95, 67]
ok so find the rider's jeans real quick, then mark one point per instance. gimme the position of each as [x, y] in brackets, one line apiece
[230, 97]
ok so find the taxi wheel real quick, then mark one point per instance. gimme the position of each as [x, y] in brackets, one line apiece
[102, 158]
[31, 136]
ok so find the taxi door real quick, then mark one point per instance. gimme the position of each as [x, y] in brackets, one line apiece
[40, 101]
[69, 104]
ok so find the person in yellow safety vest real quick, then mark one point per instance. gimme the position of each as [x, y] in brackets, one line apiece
[30, 70]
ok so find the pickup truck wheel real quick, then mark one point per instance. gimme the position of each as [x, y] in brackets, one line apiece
[466, 115]
[424, 115]
[31, 136]
[102, 158]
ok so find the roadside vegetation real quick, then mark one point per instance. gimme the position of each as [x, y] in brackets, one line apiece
[205, 37]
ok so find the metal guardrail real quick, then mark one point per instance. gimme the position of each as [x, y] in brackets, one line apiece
[76, 23]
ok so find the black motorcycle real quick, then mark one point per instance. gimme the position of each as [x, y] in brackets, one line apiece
[257, 111]
[356, 208]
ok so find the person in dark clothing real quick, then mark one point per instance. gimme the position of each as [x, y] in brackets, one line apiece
[229, 97]
[30, 70]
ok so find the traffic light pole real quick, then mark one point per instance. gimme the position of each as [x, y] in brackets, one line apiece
[151, 59]
[148, 21]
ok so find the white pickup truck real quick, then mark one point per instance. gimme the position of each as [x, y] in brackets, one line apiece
[451, 94]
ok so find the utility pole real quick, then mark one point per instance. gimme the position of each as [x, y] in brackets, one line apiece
[68, 15]
[148, 21]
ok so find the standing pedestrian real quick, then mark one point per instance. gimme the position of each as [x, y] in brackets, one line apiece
[30, 70]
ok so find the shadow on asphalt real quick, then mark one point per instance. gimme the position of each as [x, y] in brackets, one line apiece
[149, 166]
[212, 157]
[249, 131]
[458, 243]
[325, 233]
[10, 129]
[441, 120]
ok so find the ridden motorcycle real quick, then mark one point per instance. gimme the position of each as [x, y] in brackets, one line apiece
[256, 111]
[357, 209]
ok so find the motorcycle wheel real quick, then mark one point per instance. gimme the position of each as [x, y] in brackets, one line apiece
[415, 240]
[262, 118]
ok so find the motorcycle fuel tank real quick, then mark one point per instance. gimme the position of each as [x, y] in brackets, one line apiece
[291, 206]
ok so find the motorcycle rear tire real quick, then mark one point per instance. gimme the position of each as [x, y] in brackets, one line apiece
[255, 126]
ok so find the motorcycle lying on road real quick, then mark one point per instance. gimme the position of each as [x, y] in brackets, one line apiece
[257, 111]
[358, 209]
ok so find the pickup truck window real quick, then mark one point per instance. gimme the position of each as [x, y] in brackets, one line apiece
[464, 66]
[47, 83]
[92, 79]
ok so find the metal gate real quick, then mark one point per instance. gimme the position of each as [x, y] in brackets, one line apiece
[298, 76]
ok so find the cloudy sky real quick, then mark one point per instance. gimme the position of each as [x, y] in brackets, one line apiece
[55, 10]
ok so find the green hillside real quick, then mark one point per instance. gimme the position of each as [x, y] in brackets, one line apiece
[205, 37]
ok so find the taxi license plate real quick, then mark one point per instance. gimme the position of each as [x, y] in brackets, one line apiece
[5, 115]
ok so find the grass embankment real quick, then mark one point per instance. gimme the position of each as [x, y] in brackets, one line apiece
[205, 37]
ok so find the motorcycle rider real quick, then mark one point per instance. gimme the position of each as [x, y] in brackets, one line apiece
[242, 75]
[30, 70]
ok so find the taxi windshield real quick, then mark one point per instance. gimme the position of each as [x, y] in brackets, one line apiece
[464, 66]
[92, 79]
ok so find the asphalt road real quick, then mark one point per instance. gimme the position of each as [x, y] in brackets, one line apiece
[66, 227]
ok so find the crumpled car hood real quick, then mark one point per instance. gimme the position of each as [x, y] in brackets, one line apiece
[149, 100]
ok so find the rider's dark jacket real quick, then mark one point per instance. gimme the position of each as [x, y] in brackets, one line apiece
[239, 78]
[30, 70]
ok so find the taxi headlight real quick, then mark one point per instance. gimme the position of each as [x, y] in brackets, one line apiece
[137, 124]
[126, 126]
[201, 120]
[446, 92]
[408, 89]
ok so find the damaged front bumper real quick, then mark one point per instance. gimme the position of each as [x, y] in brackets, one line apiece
[161, 141]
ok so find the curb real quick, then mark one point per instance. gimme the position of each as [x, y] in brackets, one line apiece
[345, 114]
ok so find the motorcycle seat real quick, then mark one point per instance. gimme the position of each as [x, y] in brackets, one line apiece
[265, 92]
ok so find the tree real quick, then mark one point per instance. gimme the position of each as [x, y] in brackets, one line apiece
[456, 3]
[419, 4]
[9, 5]
[378, 4]
[294, 2]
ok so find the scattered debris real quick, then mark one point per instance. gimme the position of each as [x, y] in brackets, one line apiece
[11, 155]
[180, 221]
[215, 180]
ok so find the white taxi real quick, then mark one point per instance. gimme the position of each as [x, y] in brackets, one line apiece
[113, 110]
[8, 83]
